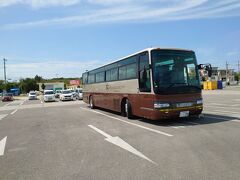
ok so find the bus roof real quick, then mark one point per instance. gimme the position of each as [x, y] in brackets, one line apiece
[139, 52]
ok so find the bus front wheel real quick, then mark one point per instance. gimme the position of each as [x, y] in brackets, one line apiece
[91, 103]
[128, 109]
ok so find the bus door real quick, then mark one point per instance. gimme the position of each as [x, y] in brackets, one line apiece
[145, 98]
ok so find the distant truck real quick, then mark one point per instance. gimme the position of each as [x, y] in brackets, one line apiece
[15, 91]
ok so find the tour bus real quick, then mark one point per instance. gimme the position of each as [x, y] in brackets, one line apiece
[156, 83]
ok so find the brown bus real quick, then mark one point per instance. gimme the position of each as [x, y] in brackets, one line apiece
[156, 83]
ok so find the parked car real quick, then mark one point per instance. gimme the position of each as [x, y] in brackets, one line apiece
[57, 93]
[7, 97]
[79, 92]
[49, 95]
[32, 95]
[67, 95]
[75, 94]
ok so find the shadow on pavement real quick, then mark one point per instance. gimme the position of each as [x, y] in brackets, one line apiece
[190, 121]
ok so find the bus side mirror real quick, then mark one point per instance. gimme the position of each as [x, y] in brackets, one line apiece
[200, 66]
[206, 67]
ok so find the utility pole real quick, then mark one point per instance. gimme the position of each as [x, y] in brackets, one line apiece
[4, 65]
[227, 72]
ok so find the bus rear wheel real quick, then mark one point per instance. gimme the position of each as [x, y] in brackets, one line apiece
[128, 109]
[91, 103]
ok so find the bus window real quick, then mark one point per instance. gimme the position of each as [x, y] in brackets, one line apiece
[100, 77]
[112, 74]
[144, 74]
[128, 71]
[85, 78]
[91, 78]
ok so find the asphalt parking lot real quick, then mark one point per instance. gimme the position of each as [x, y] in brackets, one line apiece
[67, 140]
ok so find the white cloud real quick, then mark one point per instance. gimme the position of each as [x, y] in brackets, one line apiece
[112, 11]
[49, 69]
[38, 3]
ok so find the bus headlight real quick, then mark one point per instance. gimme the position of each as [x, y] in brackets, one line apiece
[159, 105]
[199, 101]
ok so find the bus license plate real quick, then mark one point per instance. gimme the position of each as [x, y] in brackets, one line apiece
[184, 114]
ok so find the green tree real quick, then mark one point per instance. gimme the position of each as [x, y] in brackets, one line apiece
[237, 76]
[28, 84]
[43, 86]
[38, 78]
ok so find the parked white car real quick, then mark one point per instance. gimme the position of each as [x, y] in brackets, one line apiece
[49, 95]
[32, 95]
[79, 92]
[67, 95]
[58, 93]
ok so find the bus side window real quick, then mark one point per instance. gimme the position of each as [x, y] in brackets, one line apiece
[144, 74]
[85, 78]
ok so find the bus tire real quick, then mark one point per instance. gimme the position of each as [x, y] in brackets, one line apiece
[128, 109]
[91, 102]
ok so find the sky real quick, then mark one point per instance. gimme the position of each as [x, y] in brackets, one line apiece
[64, 38]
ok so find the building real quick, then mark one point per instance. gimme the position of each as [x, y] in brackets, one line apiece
[74, 84]
[220, 74]
[52, 86]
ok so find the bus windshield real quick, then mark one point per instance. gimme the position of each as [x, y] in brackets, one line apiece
[175, 71]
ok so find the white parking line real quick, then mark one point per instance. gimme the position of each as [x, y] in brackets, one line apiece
[235, 105]
[2, 116]
[177, 126]
[236, 120]
[2, 146]
[14, 111]
[192, 123]
[9, 104]
[137, 125]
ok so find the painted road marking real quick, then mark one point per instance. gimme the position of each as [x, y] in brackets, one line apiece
[192, 123]
[2, 146]
[235, 105]
[235, 120]
[137, 125]
[2, 116]
[122, 144]
[9, 104]
[14, 111]
[178, 126]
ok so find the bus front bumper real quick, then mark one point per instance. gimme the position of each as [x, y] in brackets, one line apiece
[171, 113]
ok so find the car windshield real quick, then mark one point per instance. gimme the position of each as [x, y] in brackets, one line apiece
[175, 71]
[32, 93]
[48, 92]
[66, 92]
